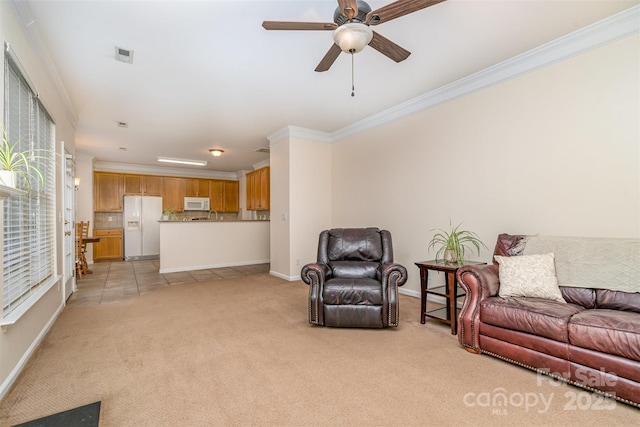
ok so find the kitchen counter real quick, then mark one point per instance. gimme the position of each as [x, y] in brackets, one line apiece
[197, 245]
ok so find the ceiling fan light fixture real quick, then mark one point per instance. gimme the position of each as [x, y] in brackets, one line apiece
[352, 37]
[216, 152]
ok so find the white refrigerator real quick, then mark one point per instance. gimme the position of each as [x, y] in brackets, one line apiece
[141, 227]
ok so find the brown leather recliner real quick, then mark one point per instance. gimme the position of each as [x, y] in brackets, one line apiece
[355, 281]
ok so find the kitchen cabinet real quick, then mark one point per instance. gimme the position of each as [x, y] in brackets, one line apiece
[216, 194]
[224, 195]
[258, 191]
[173, 192]
[231, 196]
[132, 185]
[107, 190]
[152, 185]
[110, 187]
[250, 183]
[195, 187]
[142, 185]
[110, 246]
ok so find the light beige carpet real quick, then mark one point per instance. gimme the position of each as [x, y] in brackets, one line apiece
[241, 352]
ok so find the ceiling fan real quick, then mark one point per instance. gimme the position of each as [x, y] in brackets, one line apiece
[351, 22]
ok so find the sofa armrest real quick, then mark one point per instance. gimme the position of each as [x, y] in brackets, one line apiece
[392, 276]
[479, 282]
[315, 275]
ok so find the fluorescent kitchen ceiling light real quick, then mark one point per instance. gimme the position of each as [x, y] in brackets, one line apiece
[182, 161]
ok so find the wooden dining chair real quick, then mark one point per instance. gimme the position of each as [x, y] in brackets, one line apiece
[80, 258]
[84, 226]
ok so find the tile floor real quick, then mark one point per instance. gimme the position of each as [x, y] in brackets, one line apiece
[112, 281]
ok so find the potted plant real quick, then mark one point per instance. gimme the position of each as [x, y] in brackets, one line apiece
[453, 244]
[169, 214]
[14, 163]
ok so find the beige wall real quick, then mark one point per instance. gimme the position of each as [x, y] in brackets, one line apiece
[556, 152]
[279, 204]
[300, 198]
[311, 204]
[21, 339]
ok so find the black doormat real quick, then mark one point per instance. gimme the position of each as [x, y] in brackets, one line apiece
[82, 416]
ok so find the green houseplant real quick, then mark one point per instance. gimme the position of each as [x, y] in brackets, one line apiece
[169, 215]
[15, 163]
[453, 244]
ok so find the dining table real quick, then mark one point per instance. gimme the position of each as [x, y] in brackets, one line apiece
[83, 259]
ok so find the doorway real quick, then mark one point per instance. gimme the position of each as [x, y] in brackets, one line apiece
[69, 221]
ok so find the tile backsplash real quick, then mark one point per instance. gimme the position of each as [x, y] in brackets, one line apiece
[101, 220]
[104, 220]
[195, 214]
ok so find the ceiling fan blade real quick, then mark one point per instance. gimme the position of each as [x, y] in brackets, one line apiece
[329, 58]
[388, 48]
[348, 8]
[286, 25]
[397, 9]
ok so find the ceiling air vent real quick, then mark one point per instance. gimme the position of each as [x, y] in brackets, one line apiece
[124, 55]
[263, 150]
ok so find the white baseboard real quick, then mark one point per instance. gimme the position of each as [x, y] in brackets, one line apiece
[285, 277]
[15, 372]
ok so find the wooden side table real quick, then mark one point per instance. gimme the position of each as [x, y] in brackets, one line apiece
[450, 291]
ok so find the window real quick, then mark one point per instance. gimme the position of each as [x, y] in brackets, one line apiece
[29, 220]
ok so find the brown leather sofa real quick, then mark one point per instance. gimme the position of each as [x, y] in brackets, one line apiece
[592, 341]
[355, 281]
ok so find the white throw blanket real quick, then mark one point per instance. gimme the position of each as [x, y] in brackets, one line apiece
[600, 263]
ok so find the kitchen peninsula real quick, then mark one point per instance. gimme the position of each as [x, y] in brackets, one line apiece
[197, 245]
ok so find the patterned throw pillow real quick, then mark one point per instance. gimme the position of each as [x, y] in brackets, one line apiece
[529, 276]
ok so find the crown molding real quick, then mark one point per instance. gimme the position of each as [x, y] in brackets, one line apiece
[262, 164]
[287, 132]
[608, 30]
[102, 166]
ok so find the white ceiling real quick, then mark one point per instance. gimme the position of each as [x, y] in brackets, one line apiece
[206, 74]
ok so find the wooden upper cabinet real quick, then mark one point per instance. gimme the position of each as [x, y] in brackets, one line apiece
[108, 191]
[223, 195]
[250, 184]
[146, 185]
[173, 193]
[152, 185]
[264, 182]
[252, 191]
[195, 187]
[231, 196]
[216, 195]
[132, 185]
[258, 189]
[110, 187]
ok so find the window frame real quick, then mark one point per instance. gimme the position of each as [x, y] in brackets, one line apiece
[28, 220]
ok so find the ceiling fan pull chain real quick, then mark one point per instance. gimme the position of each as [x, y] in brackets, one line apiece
[353, 85]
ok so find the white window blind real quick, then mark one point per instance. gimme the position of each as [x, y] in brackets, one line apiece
[29, 220]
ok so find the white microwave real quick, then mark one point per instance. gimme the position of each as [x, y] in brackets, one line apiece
[196, 204]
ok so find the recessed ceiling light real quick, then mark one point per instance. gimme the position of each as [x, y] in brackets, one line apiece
[123, 124]
[216, 152]
[182, 161]
[124, 55]
[122, 148]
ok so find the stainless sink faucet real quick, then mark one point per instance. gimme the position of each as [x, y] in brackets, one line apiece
[213, 210]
